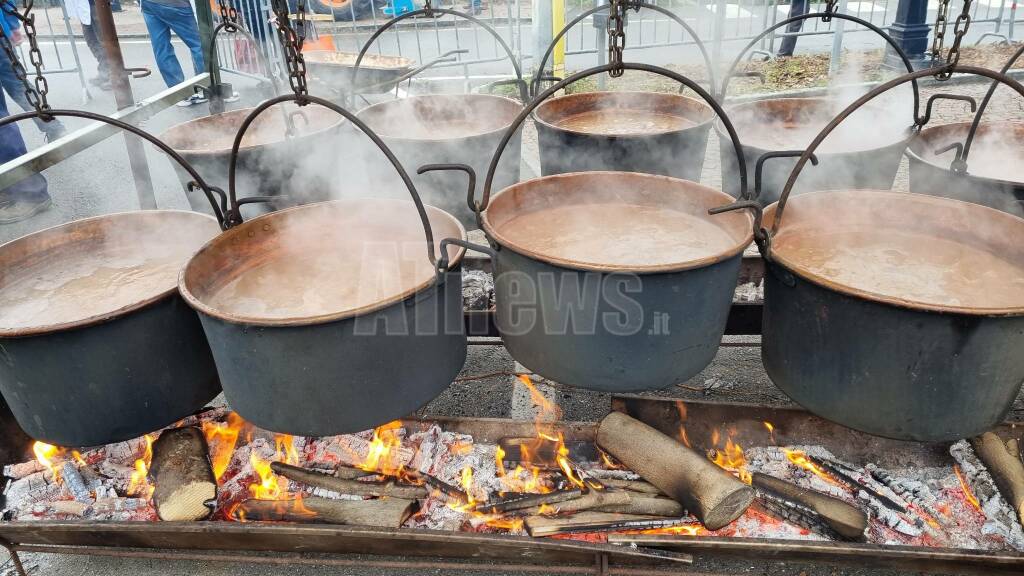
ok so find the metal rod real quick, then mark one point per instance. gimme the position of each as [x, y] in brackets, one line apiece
[125, 99]
[285, 558]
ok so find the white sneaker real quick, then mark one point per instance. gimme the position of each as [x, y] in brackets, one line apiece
[192, 101]
[235, 97]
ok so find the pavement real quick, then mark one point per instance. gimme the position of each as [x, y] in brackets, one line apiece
[98, 181]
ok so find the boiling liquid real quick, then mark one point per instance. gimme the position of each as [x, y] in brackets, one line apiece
[621, 122]
[622, 235]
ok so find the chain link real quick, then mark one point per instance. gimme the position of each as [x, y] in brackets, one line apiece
[941, 25]
[963, 23]
[291, 41]
[228, 15]
[36, 93]
[616, 35]
[831, 7]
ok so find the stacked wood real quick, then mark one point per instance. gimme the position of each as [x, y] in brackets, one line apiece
[848, 521]
[315, 479]
[185, 488]
[1004, 463]
[708, 492]
[382, 512]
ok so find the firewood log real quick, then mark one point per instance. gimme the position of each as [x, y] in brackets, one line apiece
[588, 501]
[632, 486]
[646, 505]
[315, 479]
[846, 520]
[1006, 468]
[381, 512]
[538, 526]
[711, 494]
[527, 501]
[184, 485]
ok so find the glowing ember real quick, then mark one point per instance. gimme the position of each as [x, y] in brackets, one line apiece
[681, 530]
[800, 459]
[968, 494]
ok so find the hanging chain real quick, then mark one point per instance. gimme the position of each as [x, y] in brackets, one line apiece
[963, 23]
[941, 25]
[831, 6]
[36, 94]
[228, 15]
[616, 36]
[291, 42]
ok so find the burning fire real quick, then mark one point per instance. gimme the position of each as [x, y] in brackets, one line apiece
[771, 430]
[222, 438]
[730, 458]
[139, 484]
[968, 494]
[269, 487]
[800, 459]
[385, 444]
[45, 454]
[682, 421]
[680, 530]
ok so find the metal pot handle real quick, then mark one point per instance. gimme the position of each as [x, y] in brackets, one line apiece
[882, 88]
[960, 162]
[432, 12]
[826, 16]
[537, 79]
[197, 180]
[234, 218]
[518, 122]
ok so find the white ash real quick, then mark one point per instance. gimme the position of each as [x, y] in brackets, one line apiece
[74, 482]
[477, 290]
[616, 474]
[22, 469]
[749, 292]
[1001, 518]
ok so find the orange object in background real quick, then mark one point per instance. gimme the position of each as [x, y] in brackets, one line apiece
[324, 42]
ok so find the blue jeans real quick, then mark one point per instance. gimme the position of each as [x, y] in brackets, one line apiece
[160, 21]
[16, 90]
[33, 188]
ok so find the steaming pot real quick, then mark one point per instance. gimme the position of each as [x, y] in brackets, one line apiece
[444, 129]
[995, 175]
[784, 124]
[268, 158]
[96, 344]
[378, 74]
[646, 132]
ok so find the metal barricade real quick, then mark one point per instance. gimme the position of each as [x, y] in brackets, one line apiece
[59, 57]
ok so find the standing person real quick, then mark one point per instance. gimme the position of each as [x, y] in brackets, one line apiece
[9, 79]
[796, 8]
[29, 197]
[85, 11]
[162, 17]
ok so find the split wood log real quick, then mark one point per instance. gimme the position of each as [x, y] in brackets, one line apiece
[350, 472]
[1006, 468]
[315, 479]
[622, 502]
[538, 526]
[380, 512]
[588, 501]
[632, 485]
[184, 485]
[647, 506]
[845, 519]
[525, 501]
[710, 493]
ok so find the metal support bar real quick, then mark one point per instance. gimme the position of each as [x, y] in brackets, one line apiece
[46, 156]
[125, 99]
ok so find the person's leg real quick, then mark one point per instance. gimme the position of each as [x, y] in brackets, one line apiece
[796, 8]
[159, 29]
[28, 197]
[15, 88]
[183, 21]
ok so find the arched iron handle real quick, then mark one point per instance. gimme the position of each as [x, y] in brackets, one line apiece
[433, 12]
[535, 83]
[802, 161]
[961, 159]
[307, 99]
[518, 122]
[197, 180]
[931, 102]
[759, 166]
[460, 167]
[823, 15]
[140, 72]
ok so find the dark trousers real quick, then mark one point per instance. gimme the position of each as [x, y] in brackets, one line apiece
[12, 146]
[796, 8]
[15, 88]
[92, 40]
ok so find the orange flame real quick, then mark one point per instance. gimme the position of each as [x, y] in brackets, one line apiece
[221, 438]
[681, 530]
[968, 494]
[139, 484]
[45, 454]
[731, 458]
[268, 487]
[384, 445]
[499, 460]
[548, 440]
[800, 459]
[771, 430]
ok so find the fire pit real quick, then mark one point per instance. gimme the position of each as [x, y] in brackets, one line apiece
[267, 159]
[995, 176]
[512, 488]
[663, 134]
[851, 158]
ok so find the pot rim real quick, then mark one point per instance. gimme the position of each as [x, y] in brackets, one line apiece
[105, 317]
[872, 296]
[732, 251]
[905, 139]
[913, 154]
[408, 64]
[215, 243]
[390, 137]
[697, 125]
[243, 147]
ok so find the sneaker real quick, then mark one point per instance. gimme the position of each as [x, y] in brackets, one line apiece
[192, 100]
[17, 209]
[55, 130]
[235, 97]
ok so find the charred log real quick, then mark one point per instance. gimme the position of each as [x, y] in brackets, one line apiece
[315, 479]
[795, 513]
[527, 501]
[710, 493]
[381, 512]
[848, 521]
[1004, 464]
[185, 488]
[538, 526]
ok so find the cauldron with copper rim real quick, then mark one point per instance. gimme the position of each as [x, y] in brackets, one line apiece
[896, 314]
[380, 73]
[96, 345]
[612, 281]
[268, 158]
[336, 316]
